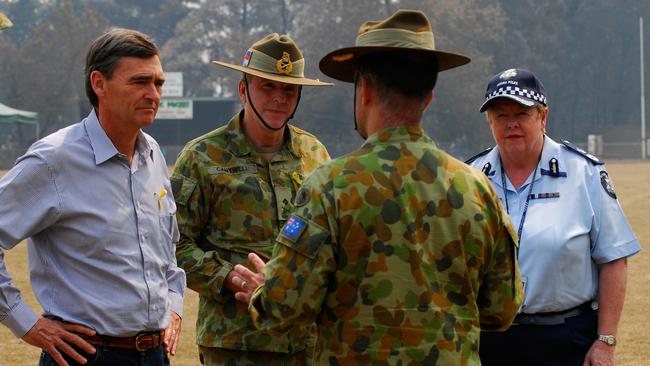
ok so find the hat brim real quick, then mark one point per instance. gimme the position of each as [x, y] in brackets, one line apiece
[275, 77]
[341, 64]
[528, 103]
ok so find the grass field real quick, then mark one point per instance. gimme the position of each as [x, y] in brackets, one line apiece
[632, 181]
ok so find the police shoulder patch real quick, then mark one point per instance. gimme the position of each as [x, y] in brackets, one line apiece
[484, 152]
[572, 147]
[607, 184]
[293, 228]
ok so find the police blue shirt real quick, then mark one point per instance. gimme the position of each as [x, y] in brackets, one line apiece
[573, 223]
[102, 233]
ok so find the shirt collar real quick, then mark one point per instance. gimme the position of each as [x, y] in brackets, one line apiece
[550, 150]
[103, 147]
[397, 134]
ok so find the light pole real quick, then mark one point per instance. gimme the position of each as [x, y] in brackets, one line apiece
[643, 140]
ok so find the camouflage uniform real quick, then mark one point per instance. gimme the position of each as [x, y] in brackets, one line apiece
[231, 202]
[399, 252]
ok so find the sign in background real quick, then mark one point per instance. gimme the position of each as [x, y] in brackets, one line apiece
[173, 86]
[176, 109]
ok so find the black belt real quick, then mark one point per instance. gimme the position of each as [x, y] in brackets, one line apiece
[554, 318]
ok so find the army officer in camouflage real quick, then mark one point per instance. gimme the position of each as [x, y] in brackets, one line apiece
[398, 251]
[234, 188]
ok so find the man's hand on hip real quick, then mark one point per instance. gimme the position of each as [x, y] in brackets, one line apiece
[56, 337]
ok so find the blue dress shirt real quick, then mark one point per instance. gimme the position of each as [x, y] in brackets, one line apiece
[102, 234]
[572, 224]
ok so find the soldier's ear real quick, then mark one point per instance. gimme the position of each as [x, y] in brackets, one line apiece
[241, 89]
[427, 100]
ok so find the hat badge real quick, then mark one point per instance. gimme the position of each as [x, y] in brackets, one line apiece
[284, 65]
[510, 73]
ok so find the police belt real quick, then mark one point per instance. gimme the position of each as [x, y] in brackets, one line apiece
[554, 318]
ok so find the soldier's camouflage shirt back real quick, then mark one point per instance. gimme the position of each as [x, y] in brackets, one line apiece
[230, 202]
[399, 252]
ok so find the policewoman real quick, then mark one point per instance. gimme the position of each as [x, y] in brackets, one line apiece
[574, 239]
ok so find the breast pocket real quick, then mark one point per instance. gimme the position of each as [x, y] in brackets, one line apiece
[168, 228]
[241, 208]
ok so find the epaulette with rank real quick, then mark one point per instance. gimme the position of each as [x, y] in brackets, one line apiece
[594, 160]
[484, 152]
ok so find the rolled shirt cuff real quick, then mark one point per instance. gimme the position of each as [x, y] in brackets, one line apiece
[176, 303]
[619, 251]
[20, 319]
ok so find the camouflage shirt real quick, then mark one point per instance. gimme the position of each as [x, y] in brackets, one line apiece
[230, 201]
[399, 252]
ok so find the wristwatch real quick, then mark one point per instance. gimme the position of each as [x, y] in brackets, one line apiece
[609, 340]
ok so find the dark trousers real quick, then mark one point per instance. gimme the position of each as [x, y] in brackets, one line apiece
[110, 356]
[541, 345]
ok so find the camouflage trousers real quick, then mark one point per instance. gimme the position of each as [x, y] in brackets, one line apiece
[213, 356]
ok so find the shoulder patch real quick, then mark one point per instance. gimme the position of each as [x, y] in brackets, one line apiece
[594, 160]
[293, 228]
[607, 184]
[484, 152]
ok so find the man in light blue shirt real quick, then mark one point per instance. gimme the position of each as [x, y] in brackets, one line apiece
[95, 202]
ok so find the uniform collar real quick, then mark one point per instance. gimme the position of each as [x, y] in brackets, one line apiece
[397, 134]
[103, 147]
[551, 163]
[550, 151]
[241, 146]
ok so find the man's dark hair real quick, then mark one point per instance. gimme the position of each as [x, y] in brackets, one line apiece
[105, 52]
[409, 75]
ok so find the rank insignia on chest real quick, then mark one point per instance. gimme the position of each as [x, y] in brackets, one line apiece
[293, 228]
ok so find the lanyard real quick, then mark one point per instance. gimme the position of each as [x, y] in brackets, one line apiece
[530, 191]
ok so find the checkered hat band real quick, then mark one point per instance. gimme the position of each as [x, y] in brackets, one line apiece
[514, 90]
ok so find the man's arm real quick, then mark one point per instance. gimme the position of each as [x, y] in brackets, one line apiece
[207, 273]
[29, 203]
[176, 282]
[612, 285]
[295, 282]
[501, 292]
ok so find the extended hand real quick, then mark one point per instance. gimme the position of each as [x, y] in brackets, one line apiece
[54, 337]
[172, 334]
[247, 280]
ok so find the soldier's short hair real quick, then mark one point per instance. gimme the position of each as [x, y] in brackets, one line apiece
[106, 51]
[410, 75]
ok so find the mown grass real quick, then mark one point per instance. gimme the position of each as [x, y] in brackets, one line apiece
[632, 179]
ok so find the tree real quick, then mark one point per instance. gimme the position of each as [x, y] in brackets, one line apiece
[222, 30]
[46, 69]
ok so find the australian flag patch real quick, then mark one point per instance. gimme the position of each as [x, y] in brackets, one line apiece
[293, 228]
